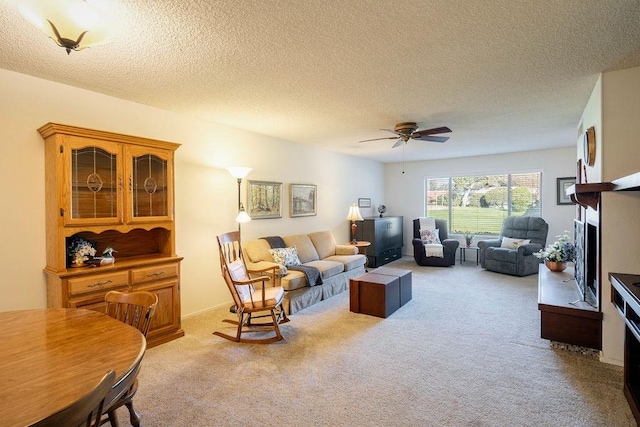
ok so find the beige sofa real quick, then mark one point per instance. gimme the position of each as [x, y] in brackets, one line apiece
[336, 263]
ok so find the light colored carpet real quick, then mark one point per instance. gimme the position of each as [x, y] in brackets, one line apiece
[465, 351]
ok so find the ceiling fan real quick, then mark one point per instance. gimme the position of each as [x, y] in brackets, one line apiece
[409, 130]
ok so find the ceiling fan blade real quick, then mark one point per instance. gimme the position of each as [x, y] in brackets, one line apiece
[398, 143]
[378, 139]
[421, 133]
[434, 138]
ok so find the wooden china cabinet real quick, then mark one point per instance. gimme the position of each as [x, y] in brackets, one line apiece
[115, 191]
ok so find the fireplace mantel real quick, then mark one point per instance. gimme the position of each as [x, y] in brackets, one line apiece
[588, 195]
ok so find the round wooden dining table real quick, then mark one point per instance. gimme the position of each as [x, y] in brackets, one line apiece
[49, 358]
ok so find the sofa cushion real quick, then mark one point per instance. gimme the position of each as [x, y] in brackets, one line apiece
[297, 279]
[285, 256]
[306, 251]
[293, 280]
[348, 261]
[258, 250]
[324, 242]
[327, 268]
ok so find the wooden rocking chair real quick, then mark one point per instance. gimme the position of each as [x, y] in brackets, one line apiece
[246, 298]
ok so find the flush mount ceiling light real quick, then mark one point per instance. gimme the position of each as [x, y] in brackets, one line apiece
[71, 24]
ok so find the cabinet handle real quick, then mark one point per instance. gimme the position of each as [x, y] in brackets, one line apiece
[130, 184]
[158, 273]
[100, 283]
[120, 182]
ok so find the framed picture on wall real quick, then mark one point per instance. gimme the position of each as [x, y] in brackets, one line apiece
[303, 200]
[264, 199]
[563, 184]
[364, 203]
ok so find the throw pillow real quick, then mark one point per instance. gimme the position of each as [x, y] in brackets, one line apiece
[282, 271]
[429, 237]
[285, 256]
[513, 243]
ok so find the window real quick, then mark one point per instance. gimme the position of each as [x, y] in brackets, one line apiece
[478, 204]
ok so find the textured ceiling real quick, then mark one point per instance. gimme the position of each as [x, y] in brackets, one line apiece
[504, 75]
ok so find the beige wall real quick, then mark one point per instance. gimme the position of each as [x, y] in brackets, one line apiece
[553, 164]
[620, 156]
[206, 195]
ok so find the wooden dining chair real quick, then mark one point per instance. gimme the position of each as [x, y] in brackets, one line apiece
[249, 301]
[135, 309]
[84, 412]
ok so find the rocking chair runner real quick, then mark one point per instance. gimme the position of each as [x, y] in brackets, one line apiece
[247, 299]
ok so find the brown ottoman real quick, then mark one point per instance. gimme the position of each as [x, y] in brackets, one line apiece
[405, 281]
[374, 294]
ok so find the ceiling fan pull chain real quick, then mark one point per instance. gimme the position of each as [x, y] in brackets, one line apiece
[403, 158]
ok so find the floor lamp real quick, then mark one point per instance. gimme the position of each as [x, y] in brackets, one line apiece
[239, 173]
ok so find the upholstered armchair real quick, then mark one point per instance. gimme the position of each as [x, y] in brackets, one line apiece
[449, 246]
[511, 253]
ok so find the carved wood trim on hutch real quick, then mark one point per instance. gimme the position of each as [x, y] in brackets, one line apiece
[116, 191]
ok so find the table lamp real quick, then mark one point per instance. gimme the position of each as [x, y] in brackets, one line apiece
[353, 216]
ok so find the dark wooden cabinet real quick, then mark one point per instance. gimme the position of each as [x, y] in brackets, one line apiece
[385, 235]
[625, 296]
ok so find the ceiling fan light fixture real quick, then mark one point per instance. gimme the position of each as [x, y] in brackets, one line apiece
[406, 128]
[71, 24]
[409, 130]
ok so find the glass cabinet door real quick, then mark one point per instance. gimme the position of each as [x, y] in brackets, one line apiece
[149, 185]
[94, 183]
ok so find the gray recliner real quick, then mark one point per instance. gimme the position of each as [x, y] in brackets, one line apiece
[520, 261]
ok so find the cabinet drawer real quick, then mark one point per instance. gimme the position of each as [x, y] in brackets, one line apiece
[98, 283]
[157, 272]
[385, 257]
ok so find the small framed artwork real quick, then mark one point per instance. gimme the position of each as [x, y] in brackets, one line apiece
[303, 200]
[264, 199]
[364, 203]
[563, 184]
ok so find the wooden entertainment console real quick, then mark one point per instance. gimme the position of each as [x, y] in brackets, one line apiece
[625, 296]
[563, 319]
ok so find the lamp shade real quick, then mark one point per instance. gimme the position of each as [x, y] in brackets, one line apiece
[354, 213]
[243, 217]
[239, 172]
[78, 23]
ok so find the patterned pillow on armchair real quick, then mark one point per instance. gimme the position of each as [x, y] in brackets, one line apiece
[430, 237]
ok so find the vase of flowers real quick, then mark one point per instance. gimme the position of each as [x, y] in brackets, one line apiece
[468, 237]
[557, 254]
[79, 251]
